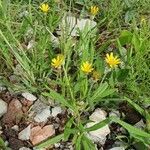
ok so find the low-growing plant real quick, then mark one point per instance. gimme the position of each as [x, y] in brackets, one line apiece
[79, 73]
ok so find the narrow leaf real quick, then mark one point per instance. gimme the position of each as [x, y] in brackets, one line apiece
[51, 141]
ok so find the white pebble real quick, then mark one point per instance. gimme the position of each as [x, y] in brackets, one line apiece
[15, 128]
[24, 148]
[56, 111]
[3, 107]
[117, 148]
[43, 115]
[29, 96]
[25, 134]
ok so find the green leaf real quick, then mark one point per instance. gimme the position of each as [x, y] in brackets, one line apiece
[68, 131]
[136, 42]
[99, 91]
[125, 37]
[99, 125]
[51, 141]
[59, 98]
[147, 116]
[2, 144]
[122, 74]
[87, 144]
[131, 129]
[78, 142]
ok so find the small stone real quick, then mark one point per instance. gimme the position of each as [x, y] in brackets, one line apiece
[29, 96]
[24, 148]
[2, 88]
[15, 128]
[43, 115]
[54, 40]
[117, 148]
[1, 132]
[56, 125]
[14, 113]
[3, 107]
[56, 110]
[98, 115]
[57, 145]
[99, 135]
[23, 14]
[25, 134]
[140, 124]
[73, 24]
[114, 113]
[39, 134]
[31, 44]
[6, 143]
[38, 106]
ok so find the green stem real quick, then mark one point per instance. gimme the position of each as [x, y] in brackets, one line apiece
[68, 84]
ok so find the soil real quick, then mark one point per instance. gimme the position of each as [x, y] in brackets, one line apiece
[10, 135]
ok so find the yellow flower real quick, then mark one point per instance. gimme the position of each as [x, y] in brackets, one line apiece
[112, 60]
[44, 7]
[143, 19]
[86, 67]
[96, 75]
[94, 10]
[57, 62]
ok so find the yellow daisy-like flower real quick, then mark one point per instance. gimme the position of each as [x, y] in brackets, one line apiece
[44, 7]
[96, 75]
[94, 10]
[57, 62]
[112, 60]
[143, 19]
[86, 67]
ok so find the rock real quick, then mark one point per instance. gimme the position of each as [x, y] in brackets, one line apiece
[117, 148]
[15, 128]
[56, 110]
[23, 14]
[98, 115]
[24, 148]
[38, 106]
[39, 134]
[2, 88]
[40, 111]
[99, 135]
[140, 124]
[14, 113]
[30, 44]
[1, 132]
[3, 107]
[25, 134]
[6, 143]
[72, 24]
[54, 39]
[43, 115]
[114, 113]
[29, 96]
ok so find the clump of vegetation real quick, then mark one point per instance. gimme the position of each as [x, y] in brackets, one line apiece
[99, 67]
